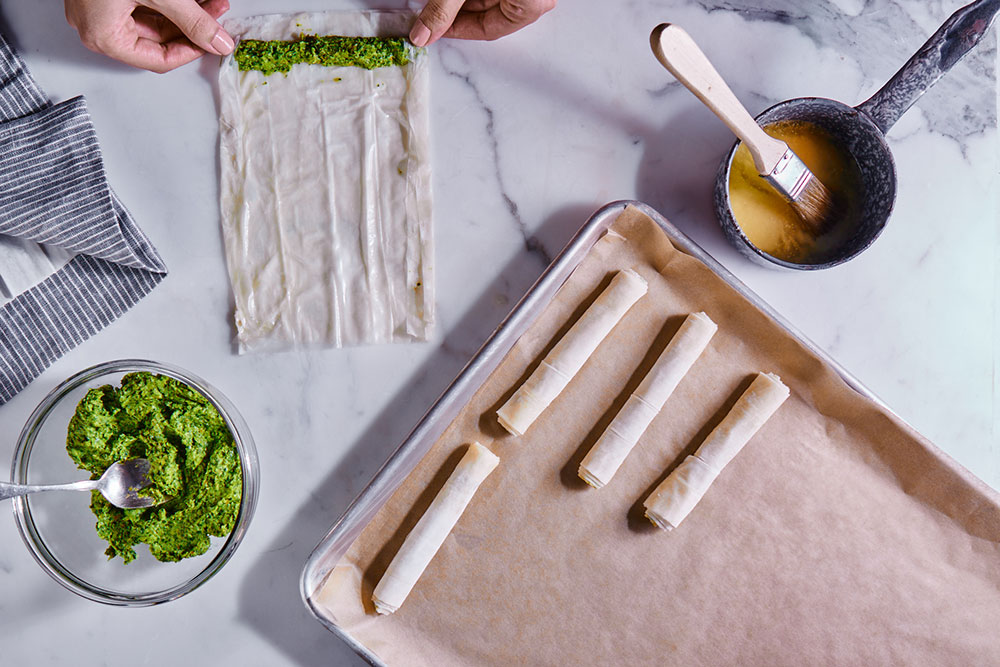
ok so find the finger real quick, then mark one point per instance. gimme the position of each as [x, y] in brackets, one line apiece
[434, 21]
[198, 25]
[507, 17]
[158, 57]
[156, 26]
[215, 8]
[479, 5]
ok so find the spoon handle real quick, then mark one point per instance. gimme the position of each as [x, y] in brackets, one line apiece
[8, 490]
[955, 38]
[676, 51]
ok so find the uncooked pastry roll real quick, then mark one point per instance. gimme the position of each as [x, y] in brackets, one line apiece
[433, 527]
[605, 457]
[684, 487]
[571, 352]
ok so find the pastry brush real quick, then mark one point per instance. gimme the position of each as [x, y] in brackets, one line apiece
[774, 160]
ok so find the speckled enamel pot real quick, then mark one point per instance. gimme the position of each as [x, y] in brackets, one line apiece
[862, 130]
[863, 140]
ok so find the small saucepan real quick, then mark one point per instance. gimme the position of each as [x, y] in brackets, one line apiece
[862, 130]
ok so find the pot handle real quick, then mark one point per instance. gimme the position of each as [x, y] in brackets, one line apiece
[962, 31]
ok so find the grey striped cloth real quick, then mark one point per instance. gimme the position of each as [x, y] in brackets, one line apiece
[53, 190]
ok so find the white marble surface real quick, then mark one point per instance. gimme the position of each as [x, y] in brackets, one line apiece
[530, 135]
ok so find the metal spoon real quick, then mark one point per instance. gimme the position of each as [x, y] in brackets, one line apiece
[120, 484]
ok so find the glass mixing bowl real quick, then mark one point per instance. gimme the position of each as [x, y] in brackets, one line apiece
[59, 528]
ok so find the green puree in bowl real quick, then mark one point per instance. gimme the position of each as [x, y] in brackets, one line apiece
[193, 463]
[330, 51]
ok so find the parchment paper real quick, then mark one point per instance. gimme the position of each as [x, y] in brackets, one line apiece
[837, 536]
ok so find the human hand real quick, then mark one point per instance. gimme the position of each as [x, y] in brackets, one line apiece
[475, 19]
[158, 35]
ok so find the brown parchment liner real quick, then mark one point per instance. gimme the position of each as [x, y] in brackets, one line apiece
[837, 536]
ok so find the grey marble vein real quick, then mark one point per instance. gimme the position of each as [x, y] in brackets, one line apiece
[531, 243]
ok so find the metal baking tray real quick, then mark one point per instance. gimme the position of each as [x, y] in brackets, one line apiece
[347, 529]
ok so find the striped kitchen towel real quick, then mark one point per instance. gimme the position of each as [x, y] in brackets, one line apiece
[53, 191]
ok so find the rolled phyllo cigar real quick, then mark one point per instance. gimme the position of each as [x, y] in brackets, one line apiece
[571, 352]
[433, 527]
[607, 455]
[677, 495]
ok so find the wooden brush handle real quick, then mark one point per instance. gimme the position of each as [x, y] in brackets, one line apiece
[676, 51]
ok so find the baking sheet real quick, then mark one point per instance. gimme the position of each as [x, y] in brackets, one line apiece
[325, 198]
[838, 536]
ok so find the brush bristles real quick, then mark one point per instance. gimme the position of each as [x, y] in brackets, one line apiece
[816, 205]
[813, 201]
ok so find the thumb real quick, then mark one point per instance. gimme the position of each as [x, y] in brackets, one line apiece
[435, 19]
[197, 24]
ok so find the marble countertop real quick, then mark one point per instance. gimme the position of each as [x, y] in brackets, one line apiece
[531, 134]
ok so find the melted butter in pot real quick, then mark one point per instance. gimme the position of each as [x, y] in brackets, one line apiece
[770, 222]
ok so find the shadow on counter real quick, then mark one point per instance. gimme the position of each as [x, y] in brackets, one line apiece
[680, 159]
[676, 174]
[269, 600]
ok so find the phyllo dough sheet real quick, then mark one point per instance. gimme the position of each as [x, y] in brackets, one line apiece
[325, 193]
[837, 536]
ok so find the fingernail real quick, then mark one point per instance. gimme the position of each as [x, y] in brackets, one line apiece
[420, 34]
[223, 43]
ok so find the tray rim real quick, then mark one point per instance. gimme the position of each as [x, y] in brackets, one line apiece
[492, 352]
